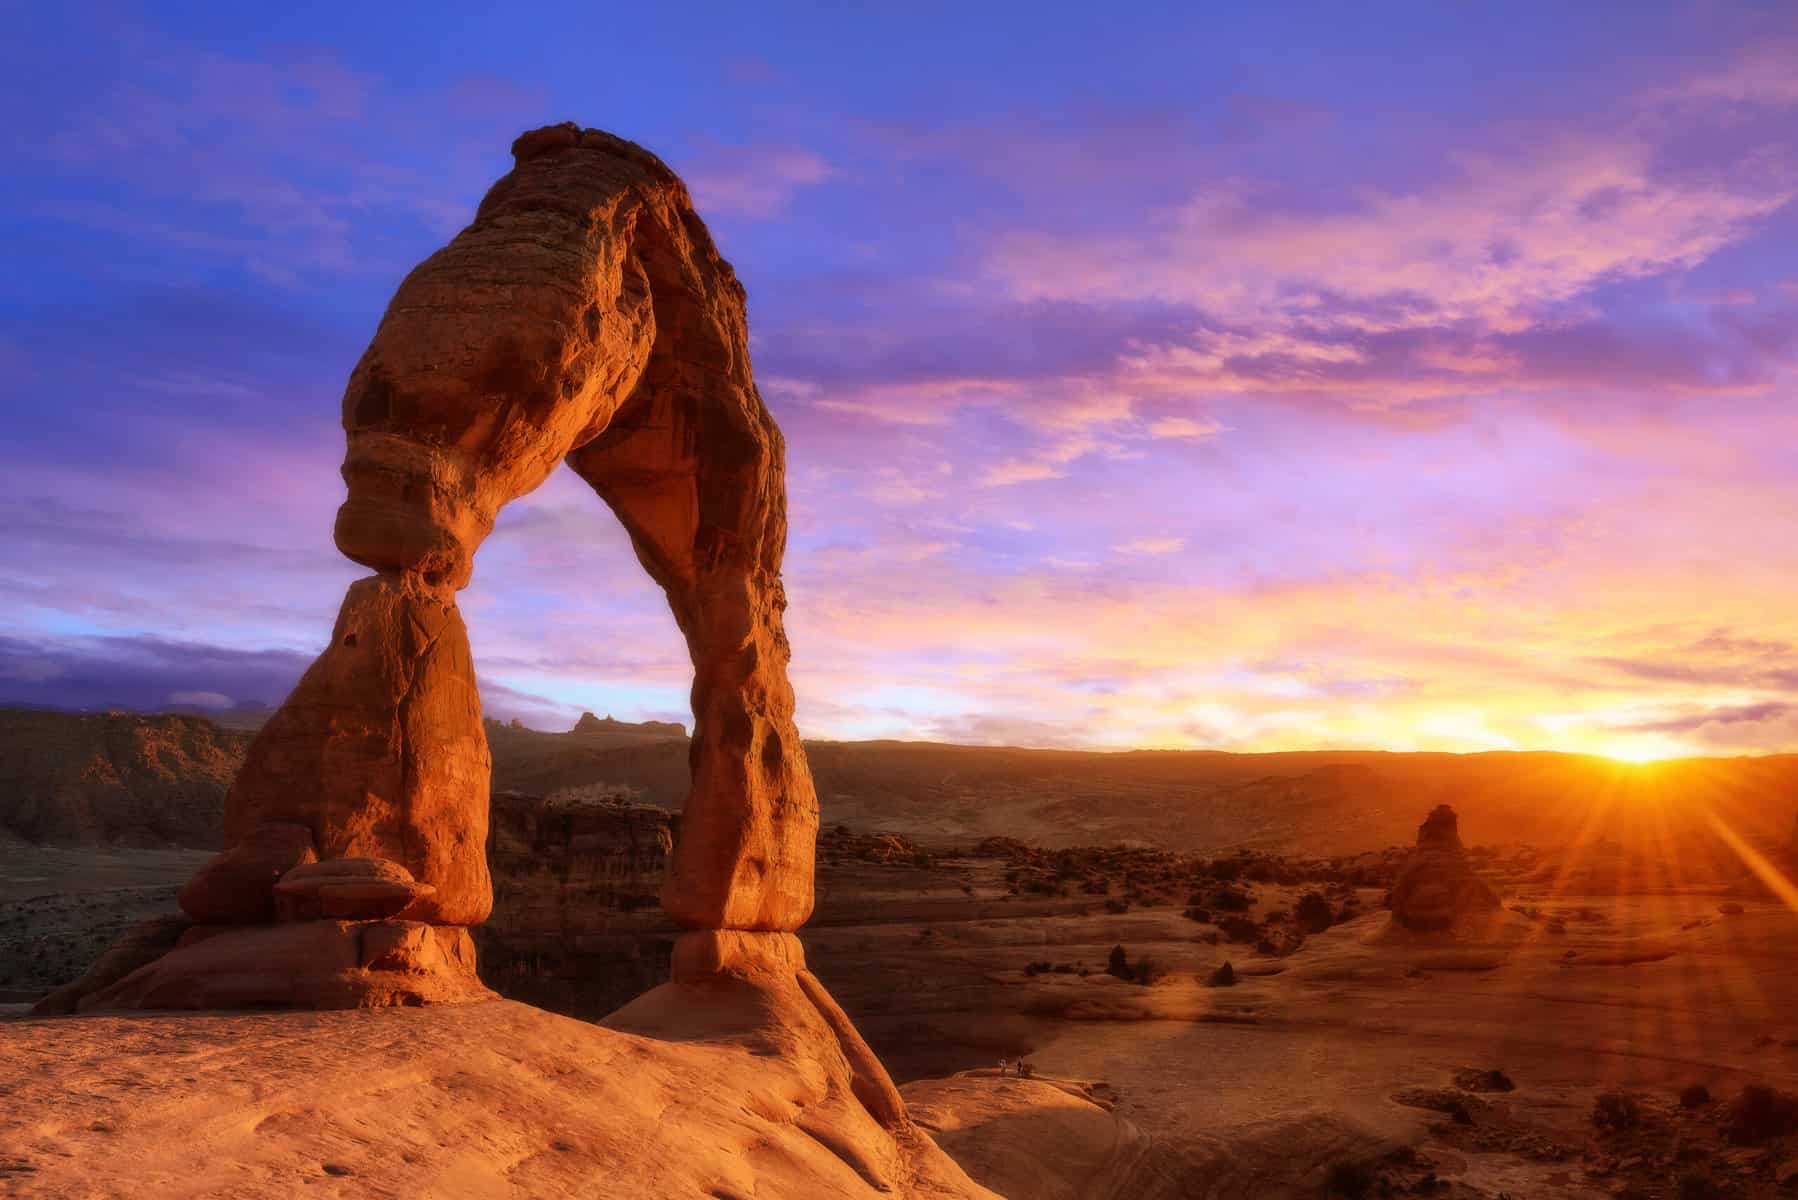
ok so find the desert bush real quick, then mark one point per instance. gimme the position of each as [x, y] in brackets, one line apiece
[1231, 899]
[1759, 1114]
[1119, 963]
[1616, 1111]
[1695, 1096]
[1145, 970]
[1349, 1179]
[1116, 905]
[1201, 915]
[1224, 976]
[1314, 913]
[1239, 929]
[1696, 1185]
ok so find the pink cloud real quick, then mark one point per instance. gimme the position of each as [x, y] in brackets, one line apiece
[754, 182]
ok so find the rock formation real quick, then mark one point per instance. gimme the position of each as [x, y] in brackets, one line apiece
[592, 724]
[1438, 887]
[585, 316]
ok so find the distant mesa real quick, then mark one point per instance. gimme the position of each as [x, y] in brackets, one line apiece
[1438, 887]
[592, 724]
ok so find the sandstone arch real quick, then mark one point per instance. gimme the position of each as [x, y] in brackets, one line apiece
[584, 316]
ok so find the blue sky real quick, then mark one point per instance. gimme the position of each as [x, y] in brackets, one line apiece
[1412, 376]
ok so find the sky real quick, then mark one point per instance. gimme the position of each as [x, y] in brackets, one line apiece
[1248, 377]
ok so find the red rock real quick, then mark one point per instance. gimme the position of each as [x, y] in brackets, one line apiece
[379, 752]
[142, 943]
[585, 315]
[238, 885]
[348, 889]
[303, 964]
[735, 952]
[1438, 886]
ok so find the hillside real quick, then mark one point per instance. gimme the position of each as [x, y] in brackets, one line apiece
[117, 778]
[159, 779]
[1326, 802]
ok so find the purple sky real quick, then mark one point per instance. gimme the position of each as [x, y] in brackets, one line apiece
[1390, 375]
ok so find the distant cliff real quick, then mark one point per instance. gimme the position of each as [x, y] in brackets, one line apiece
[576, 925]
[115, 778]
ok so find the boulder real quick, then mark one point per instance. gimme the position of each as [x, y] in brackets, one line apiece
[348, 889]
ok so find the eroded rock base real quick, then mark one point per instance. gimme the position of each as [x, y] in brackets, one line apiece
[321, 964]
[705, 961]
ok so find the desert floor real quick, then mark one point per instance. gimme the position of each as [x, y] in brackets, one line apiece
[1338, 1059]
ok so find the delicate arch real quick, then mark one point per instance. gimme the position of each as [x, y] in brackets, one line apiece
[585, 315]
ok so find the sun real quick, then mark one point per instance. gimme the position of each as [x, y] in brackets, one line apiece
[1639, 752]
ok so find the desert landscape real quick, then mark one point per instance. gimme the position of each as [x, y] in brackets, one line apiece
[1589, 1014]
[1001, 602]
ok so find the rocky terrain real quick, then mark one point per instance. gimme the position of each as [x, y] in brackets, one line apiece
[1226, 1022]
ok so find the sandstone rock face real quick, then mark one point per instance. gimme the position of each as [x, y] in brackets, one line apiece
[585, 316]
[378, 753]
[1437, 887]
[238, 885]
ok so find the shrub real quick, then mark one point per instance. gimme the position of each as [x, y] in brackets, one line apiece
[1145, 971]
[1314, 913]
[1115, 905]
[1616, 1111]
[1239, 929]
[1760, 1113]
[1696, 1185]
[1201, 915]
[1231, 899]
[1224, 976]
[1118, 964]
[1349, 1179]
[1695, 1096]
